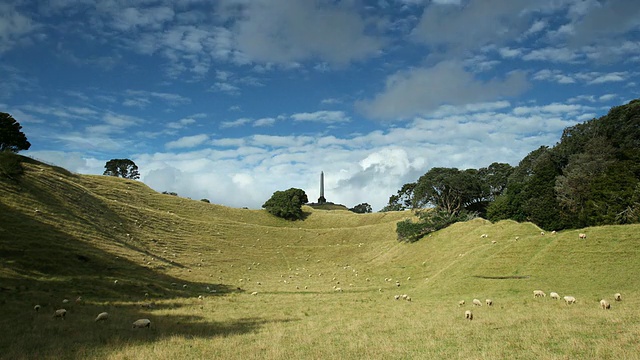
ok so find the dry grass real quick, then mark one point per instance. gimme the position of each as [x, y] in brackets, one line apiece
[91, 230]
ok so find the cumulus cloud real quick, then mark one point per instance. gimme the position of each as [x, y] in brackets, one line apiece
[188, 141]
[421, 90]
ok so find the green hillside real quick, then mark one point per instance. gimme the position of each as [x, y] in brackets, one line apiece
[65, 235]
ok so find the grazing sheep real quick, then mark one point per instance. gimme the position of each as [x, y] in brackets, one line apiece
[538, 293]
[489, 302]
[582, 236]
[570, 300]
[461, 302]
[36, 308]
[554, 295]
[604, 304]
[102, 316]
[617, 297]
[65, 301]
[484, 236]
[115, 282]
[141, 323]
[477, 302]
[468, 315]
[254, 293]
[60, 313]
[408, 298]
[397, 297]
[542, 233]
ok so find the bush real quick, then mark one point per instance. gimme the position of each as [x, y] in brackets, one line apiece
[10, 165]
[287, 204]
[205, 200]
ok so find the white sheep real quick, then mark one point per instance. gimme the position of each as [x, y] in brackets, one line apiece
[102, 316]
[468, 315]
[36, 308]
[60, 313]
[141, 323]
[477, 302]
[538, 293]
[484, 236]
[397, 297]
[461, 302]
[570, 300]
[554, 295]
[582, 236]
[489, 302]
[254, 293]
[65, 301]
[604, 304]
[617, 297]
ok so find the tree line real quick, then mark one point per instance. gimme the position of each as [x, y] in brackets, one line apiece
[591, 177]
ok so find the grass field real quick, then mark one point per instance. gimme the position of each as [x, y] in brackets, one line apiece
[64, 235]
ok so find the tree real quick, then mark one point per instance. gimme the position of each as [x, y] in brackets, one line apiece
[448, 189]
[11, 138]
[402, 201]
[287, 204]
[363, 208]
[123, 168]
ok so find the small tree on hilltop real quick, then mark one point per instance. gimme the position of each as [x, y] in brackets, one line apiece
[11, 138]
[123, 168]
[363, 208]
[287, 204]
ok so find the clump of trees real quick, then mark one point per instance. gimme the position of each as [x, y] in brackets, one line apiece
[590, 178]
[12, 140]
[363, 208]
[287, 204]
[124, 168]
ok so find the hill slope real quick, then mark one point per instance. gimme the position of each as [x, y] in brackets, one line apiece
[65, 235]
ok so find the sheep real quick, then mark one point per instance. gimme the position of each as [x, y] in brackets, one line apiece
[65, 301]
[570, 300]
[36, 308]
[604, 304]
[141, 323]
[542, 233]
[484, 236]
[468, 315]
[397, 297]
[477, 302]
[102, 317]
[582, 236]
[408, 298]
[60, 313]
[461, 302]
[493, 241]
[617, 297]
[554, 295]
[538, 293]
[254, 293]
[489, 302]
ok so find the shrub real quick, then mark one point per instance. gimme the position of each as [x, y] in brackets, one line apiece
[287, 204]
[430, 221]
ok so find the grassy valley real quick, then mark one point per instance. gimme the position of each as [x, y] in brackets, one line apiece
[219, 282]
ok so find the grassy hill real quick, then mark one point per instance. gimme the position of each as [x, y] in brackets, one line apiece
[65, 235]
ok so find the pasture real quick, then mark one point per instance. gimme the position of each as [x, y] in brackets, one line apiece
[218, 282]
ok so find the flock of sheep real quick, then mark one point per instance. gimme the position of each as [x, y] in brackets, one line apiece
[604, 304]
[103, 316]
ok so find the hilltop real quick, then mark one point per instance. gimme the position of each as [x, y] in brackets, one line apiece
[65, 235]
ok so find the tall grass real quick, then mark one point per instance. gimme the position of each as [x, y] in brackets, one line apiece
[166, 251]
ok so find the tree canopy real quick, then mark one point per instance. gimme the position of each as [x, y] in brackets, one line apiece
[11, 138]
[590, 178]
[363, 208]
[287, 204]
[124, 168]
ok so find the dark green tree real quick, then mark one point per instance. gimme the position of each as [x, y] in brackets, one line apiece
[448, 189]
[287, 204]
[363, 208]
[11, 138]
[124, 168]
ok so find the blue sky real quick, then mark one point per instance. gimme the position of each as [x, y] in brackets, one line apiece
[231, 100]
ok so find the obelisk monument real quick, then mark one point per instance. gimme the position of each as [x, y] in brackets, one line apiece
[321, 199]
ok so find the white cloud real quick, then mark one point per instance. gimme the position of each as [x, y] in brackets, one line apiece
[328, 117]
[611, 77]
[187, 141]
[283, 31]
[234, 123]
[422, 90]
[14, 26]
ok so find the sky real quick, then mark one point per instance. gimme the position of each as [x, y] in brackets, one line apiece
[232, 100]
